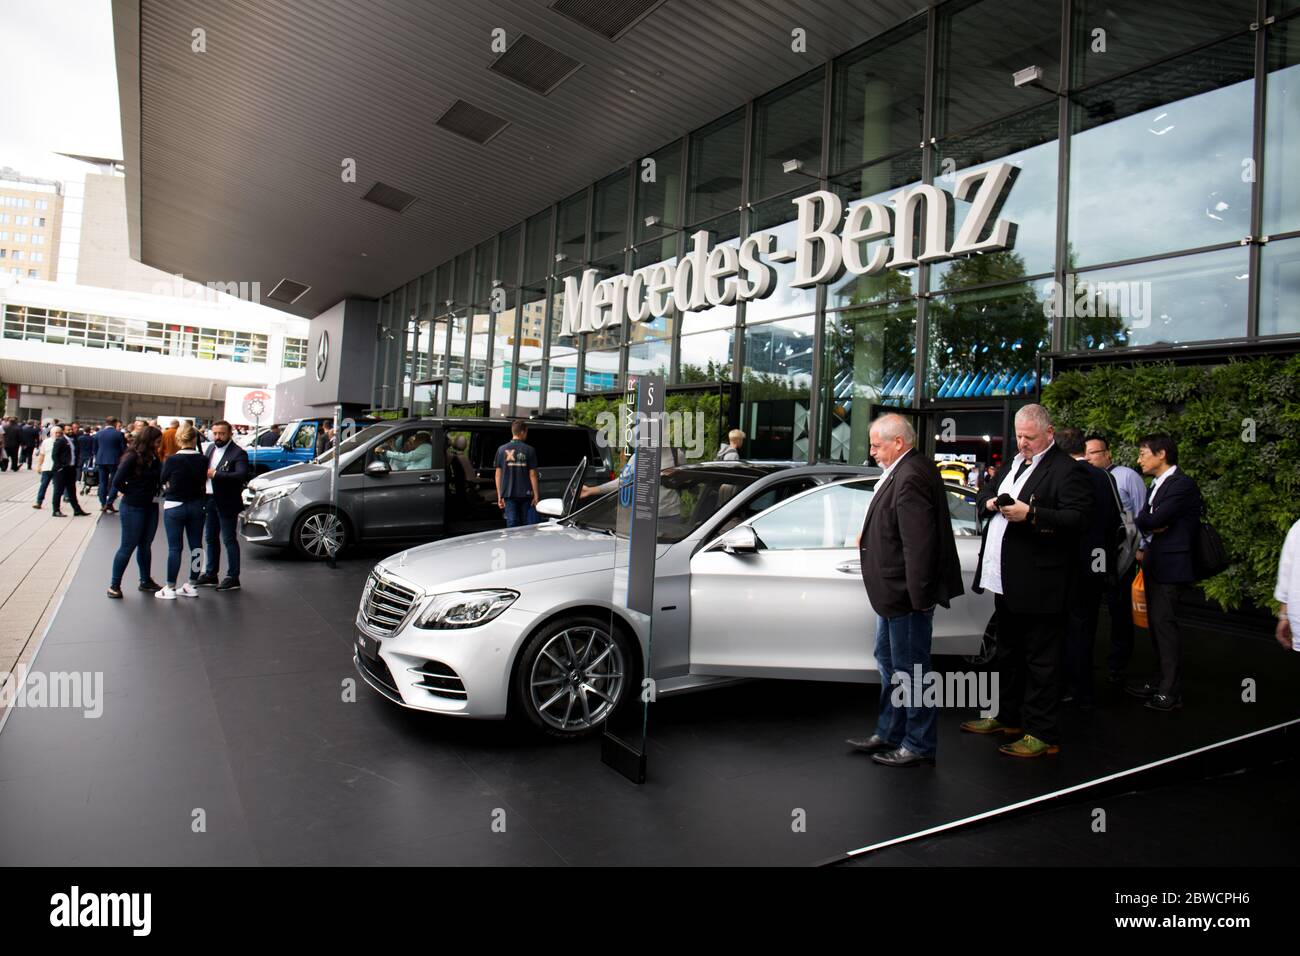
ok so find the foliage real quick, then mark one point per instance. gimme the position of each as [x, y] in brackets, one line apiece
[1238, 433]
[706, 404]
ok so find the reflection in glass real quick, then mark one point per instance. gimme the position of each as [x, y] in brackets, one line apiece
[601, 373]
[870, 355]
[725, 230]
[787, 126]
[1279, 288]
[776, 388]
[706, 357]
[609, 215]
[647, 254]
[877, 183]
[717, 155]
[1281, 190]
[879, 99]
[658, 191]
[1156, 160]
[1175, 300]
[484, 271]
[777, 217]
[537, 247]
[982, 343]
[650, 358]
[571, 230]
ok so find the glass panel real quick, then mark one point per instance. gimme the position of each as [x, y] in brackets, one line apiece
[658, 192]
[828, 518]
[609, 215]
[724, 230]
[602, 371]
[571, 234]
[1156, 160]
[461, 285]
[648, 254]
[426, 294]
[707, 357]
[1115, 36]
[787, 125]
[983, 343]
[611, 334]
[877, 182]
[532, 319]
[1175, 300]
[981, 45]
[777, 217]
[870, 354]
[508, 257]
[879, 99]
[537, 246]
[499, 397]
[563, 348]
[1029, 143]
[1279, 288]
[776, 388]
[1281, 190]
[717, 157]
[503, 339]
[444, 290]
[484, 272]
[650, 357]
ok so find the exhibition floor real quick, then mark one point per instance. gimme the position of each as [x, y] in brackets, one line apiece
[225, 739]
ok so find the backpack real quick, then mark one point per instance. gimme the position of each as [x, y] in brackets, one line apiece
[1127, 536]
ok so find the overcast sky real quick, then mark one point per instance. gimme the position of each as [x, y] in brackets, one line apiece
[59, 83]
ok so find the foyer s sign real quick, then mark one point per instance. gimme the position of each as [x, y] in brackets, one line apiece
[724, 275]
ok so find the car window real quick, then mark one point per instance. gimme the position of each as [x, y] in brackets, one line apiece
[559, 447]
[761, 502]
[483, 445]
[411, 449]
[961, 508]
[358, 438]
[687, 499]
[305, 436]
[829, 517]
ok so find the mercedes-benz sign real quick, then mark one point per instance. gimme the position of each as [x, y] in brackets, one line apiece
[322, 355]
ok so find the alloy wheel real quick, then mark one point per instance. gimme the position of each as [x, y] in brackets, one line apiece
[577, 678]
[322, 534]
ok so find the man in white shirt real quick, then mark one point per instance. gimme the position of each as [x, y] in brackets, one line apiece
[45, 465]
[1288, 591]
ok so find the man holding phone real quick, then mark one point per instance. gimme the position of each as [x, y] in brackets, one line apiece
[1037, 505]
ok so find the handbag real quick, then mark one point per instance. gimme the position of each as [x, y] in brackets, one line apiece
[1209, 556]
[1139, 598]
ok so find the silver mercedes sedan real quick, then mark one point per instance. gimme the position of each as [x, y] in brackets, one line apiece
[757, 576]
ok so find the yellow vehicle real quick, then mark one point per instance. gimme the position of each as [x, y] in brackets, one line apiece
[955, 470]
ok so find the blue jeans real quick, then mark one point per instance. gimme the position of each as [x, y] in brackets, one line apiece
[185, 520]
[139, 525]
[228, 525]
[902, 644]
[46, 478]
[106, 473]
[520, 511]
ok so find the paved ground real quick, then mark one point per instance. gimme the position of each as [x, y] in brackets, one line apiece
[38, 558]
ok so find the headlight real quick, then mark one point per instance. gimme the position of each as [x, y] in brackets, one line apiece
[279, 491]
[465, 608]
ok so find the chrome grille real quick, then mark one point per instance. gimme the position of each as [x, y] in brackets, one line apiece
[385, 603]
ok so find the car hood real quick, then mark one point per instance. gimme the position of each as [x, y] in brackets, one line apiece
[509, 558]
[305, 471]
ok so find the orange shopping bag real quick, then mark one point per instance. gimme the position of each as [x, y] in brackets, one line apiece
[1139, 601]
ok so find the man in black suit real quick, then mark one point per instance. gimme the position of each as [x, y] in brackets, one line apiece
[1095, 566]
[29, 436]
[1169, 522]
[228, 473]
[1037, 505]
[65, 472]
[909, 564]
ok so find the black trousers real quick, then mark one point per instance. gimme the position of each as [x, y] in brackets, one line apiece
[65, 486]
[1028, 663]
[1081, 612]
[1166, 638]
[1119, 607]
[13, 457]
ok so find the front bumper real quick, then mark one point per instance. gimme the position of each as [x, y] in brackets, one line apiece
[270, 524]
[461, 672]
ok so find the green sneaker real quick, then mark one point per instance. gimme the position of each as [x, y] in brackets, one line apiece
[1029, 746]
[989, 725]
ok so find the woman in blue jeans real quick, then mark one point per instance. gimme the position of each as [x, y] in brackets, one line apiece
[185, 479]
[137, 480]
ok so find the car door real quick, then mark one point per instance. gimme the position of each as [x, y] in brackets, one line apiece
[796, 608]
[409, 498]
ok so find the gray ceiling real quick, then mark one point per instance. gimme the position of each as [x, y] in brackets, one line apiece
[233, 156]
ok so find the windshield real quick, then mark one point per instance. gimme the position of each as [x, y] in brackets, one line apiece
[687, 499]
[356, 441]
[287, 434]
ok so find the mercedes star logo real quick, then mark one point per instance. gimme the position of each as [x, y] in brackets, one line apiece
[322, 355]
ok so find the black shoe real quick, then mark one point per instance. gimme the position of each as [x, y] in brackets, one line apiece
[229, 584]
[206, 581]
[1143, 691]
[59, 514]
[80, 514]
[872, 745]
[1164, 702]
[114, 592]
[1116, 678]
[902, 757]
[150, 585]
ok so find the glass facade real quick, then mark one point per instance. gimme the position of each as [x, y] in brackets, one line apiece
[1152, 188]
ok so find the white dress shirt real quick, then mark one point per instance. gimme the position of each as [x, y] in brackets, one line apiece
[991, 570]
[1288, 582]
[214, 461]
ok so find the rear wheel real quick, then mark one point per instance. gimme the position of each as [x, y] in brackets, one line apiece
[572, 675]
[319, 533]
[988, 644]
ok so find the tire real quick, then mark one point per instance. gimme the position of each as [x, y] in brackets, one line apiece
[552, 702]
[988, 644]
[310, 533]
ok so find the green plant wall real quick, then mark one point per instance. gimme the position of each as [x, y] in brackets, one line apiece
[1238, 432]
[705, 404]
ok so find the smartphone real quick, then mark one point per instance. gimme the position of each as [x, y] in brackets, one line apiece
[1005, 500]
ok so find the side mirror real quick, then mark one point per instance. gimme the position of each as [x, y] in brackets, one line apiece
[551, 507]
[377, 468]
[741, 540]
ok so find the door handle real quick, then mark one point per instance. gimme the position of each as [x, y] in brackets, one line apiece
[430, 479]
[850, 567]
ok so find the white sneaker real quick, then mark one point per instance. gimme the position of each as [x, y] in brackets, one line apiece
[187, 590]
[166, 594]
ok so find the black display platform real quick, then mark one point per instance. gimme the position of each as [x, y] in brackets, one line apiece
[232, 704]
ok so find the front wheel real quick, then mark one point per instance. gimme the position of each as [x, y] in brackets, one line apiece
[572, 675]
[318, 534]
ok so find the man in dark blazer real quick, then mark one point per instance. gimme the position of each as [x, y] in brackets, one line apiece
[1169, 522]
[228, 473]
[909, 565]
[1095, 567]
[29, 438]
[1037, 506]
[64, 471]
[110, 446]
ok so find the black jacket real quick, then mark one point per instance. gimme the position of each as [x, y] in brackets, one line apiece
[13, 437]
[61, 453]
[1102, 533]
[185, 476]
[231, 477]
[909, 556]
[1172, 519]
[1039, 555]
[28, 436]
[136, 483]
